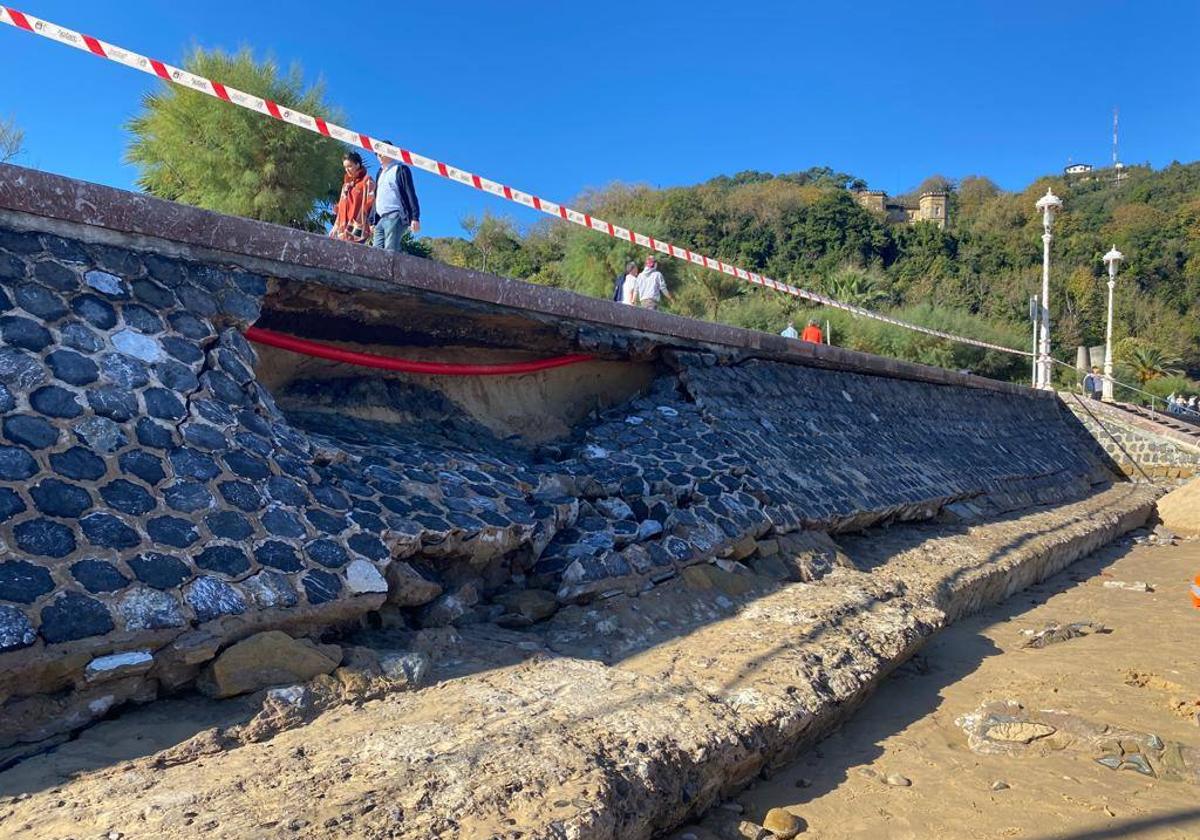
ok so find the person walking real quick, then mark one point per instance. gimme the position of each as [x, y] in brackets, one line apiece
[790, 330]
[651, 287]
[624, 285]
[812, 333]
[1093, 384]
[356, 203]
[396, 204]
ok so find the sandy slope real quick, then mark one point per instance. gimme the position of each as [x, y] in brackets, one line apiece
[1143, 676]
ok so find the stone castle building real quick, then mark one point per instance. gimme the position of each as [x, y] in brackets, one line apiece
[930, 207]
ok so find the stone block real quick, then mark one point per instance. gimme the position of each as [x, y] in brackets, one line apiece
[263, 660]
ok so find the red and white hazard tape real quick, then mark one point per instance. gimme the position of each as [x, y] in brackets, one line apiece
[319, 126]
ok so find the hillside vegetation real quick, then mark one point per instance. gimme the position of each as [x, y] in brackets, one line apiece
[974, 278]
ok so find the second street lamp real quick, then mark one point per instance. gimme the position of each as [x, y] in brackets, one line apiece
[1113, 260]
[1047, 204]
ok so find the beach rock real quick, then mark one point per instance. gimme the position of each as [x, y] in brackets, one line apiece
[266, 659]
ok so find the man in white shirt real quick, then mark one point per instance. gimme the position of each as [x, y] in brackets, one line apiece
[651, 286]
[790, 330]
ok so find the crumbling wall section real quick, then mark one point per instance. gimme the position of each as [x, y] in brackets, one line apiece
[156, 504]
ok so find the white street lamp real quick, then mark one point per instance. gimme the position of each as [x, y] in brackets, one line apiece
[1047, 204]
[1113, 260]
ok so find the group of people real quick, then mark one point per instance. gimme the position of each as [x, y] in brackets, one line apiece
[1184, 405]
[376, 210]
[812, 332]
[645, 288]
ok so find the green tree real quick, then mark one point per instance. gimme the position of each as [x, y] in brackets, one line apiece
[12, 140]
[855, 286]
[193, 148]
[1148, 363]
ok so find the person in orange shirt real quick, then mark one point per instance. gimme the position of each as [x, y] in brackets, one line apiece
[357, 199]
[812, 333]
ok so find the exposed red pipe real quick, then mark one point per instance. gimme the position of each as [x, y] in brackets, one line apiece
[372, 360]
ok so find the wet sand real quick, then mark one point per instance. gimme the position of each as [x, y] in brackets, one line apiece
[1143, 675]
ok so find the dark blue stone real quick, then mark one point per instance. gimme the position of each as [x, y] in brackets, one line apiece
[253, 443]
[79, 463]
[212, 598]
[325, 522]
[141, 319]
[145, 465]
[44, 538]
[281, 523]
[98, 576]
[72, 368]
[163, 404]
[188, 496]
[113, 402]
[214, 412]
[16, 630]
[241, 495]
[81, 337]
[64, 249]
[278, 555]
[321, 587]
[125, 371]
[167, 271]
[367, 521]
[154, 435]
[56, 276]
[10, 504]
[172, 531]
[19, 242]
[222, 386]
[58, 498]
[228, 361]
[149, 292]
[107, 531]
[197, 300]
[247, 466]
[239, 306]
[188, 325]
[23, 582]
[16, 464]
[12, 267]
[369, 546]
[229, 525]
[254, 423]
[331, 497]
[127, 497]
[117, 260]
[72, 616]
[96, 311]
[30, 432]
[24, 332]
[205, 437]
[183, 349]
[161, 571]
[177, 377]
[327, 553]
[40, 302]
[54, 401]
[287, 491]
[250, 284]
[224, 559]
[7, 400]
[192, 464]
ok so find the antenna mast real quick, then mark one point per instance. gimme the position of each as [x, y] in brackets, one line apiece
[1116, 160]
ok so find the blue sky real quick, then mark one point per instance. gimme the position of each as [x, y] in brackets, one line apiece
[556, 97]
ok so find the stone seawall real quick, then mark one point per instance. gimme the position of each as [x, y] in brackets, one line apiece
[1133, 447]
[157, 504]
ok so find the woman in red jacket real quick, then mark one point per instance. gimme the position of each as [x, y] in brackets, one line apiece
[353, 223]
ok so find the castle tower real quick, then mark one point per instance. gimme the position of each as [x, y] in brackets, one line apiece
[932, 207]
